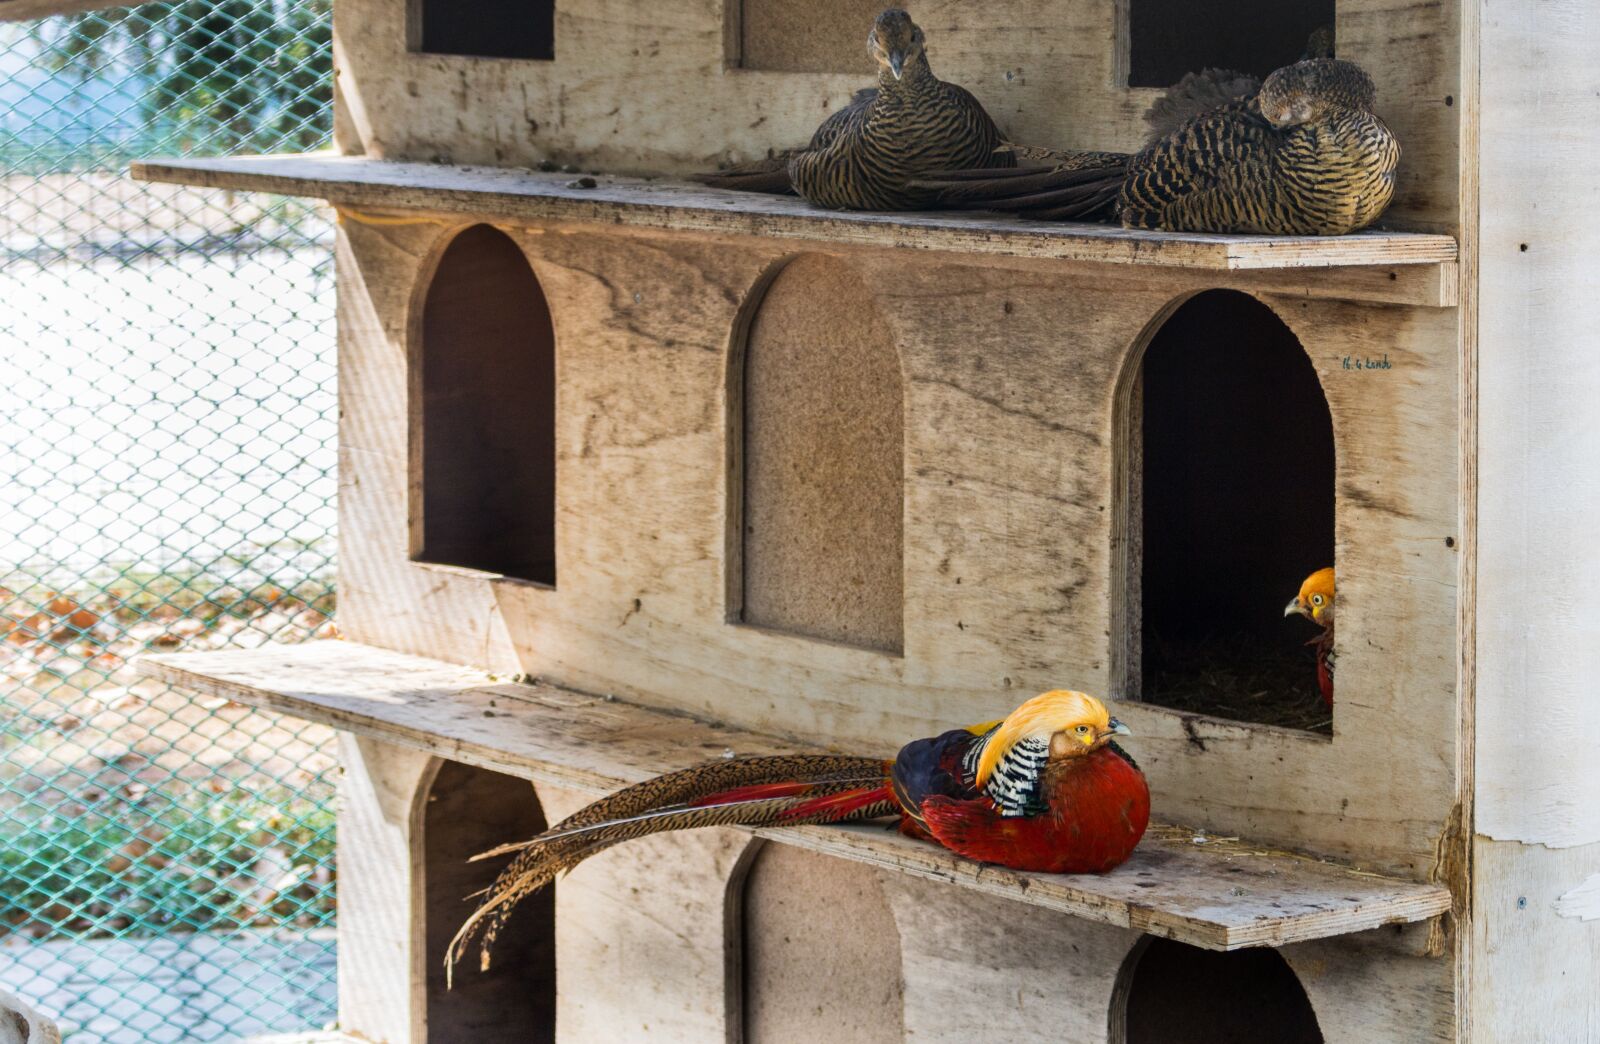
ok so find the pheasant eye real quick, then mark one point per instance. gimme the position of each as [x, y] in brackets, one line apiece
[1082, 729]
[1316, 599]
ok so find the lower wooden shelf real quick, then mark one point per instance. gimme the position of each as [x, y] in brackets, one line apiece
[1218, 895]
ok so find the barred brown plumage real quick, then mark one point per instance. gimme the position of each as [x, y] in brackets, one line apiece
[1307, 155]
[864, 156]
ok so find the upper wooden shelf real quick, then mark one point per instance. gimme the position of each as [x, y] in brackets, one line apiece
[1220, 895]
[666, 204]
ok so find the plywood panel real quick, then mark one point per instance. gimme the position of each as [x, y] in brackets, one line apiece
[647, 936]
[380, 930]
[521, 195]
[1013, 375]
[818, 37]
[823, 461]
[1036, 974]
[821, 951]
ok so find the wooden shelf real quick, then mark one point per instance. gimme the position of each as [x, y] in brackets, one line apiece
[1220, 896]
[354, 181]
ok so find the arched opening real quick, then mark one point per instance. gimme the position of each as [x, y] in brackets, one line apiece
[821, 953]
[484, 446]
[821, 521]
[1171, 993]
[1234, 471]
[471, 810]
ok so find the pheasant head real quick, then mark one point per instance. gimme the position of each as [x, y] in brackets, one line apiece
[1312, 89]
[1315, 600]
[1073, 723]
[895, 42]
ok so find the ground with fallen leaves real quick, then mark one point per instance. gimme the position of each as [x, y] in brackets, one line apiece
[124, 800]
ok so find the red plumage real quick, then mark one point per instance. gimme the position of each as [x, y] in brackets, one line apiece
[1099, 806]
[1325, 670]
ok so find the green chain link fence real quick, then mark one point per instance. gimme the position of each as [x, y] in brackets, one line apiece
[167, 425]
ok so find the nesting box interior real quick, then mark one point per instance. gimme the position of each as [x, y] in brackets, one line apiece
[469, 809]
[1169, 993]
[485, 388]
[1235, 451]
[523, 29]
[1168, 39]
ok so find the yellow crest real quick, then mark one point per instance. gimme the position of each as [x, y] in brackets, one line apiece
[1042, 717]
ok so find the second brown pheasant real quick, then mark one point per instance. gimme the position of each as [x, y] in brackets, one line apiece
[1306, 155]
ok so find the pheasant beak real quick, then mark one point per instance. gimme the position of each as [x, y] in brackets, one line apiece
[897, 62]
[1116, 728]
[1294, 607]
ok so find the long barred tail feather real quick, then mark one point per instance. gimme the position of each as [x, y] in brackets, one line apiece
[1083, 191]
[782, 790]
[770, 175]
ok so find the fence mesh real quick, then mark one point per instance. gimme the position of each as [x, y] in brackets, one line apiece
[167, 420]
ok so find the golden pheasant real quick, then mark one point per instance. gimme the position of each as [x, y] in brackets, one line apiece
[1315, 603]
[1305, 155]
[864, 156]
[1044, 789]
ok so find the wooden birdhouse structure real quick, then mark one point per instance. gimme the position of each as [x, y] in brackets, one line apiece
[637, 474]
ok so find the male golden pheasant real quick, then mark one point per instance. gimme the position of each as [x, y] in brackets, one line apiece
[1044, 789]
[1305, 155]
[1315, 603]
[864, 156]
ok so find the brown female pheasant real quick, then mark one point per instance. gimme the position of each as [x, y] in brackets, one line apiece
[864, 156]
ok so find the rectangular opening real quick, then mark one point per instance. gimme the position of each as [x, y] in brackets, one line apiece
[487, 28]
[1168, 38]
[824, 36]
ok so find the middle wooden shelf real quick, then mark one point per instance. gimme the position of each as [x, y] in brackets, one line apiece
[1220, 894]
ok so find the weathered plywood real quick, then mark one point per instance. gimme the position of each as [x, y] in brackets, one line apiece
[1539, 375]
[421, 606]
[818, 37]
[823, 460]
[1535, 922]
[661, 204]
[1364, 988]
[1017, 379]
[649, 87]
[646, 936]
[1531, 952]
[380, 935]
[1219, 897]
[821, 952]
[1031, 968]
